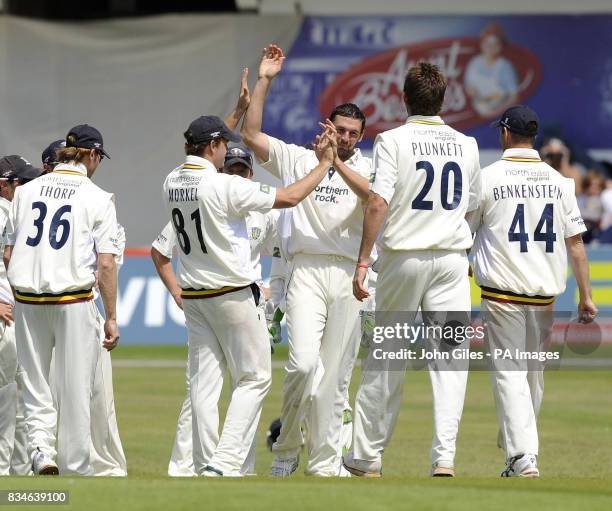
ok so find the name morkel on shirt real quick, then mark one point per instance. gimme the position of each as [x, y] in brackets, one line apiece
[526, 212]
[208, 213]
[330, 220]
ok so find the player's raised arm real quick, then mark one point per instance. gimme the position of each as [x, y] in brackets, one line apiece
[271, 64]
[244, 98]
[587, 310]
[296, 192]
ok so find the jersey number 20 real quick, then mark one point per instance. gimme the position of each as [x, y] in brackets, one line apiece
[56, 222]
[449, 168]
[181, 233]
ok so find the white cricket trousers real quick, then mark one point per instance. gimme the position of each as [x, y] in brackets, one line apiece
[432, 280]
[181, 458]
[73, 330]
[226, 332]
[107, 456]
[518, 386]
[321, 317]
[14, 459]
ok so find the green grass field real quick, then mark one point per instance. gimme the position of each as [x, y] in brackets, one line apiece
[575, 454]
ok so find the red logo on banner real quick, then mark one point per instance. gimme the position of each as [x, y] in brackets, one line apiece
[477, 90]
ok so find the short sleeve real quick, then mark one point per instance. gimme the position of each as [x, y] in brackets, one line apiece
[119, 242]
[245, 195]
[282, 158]
[574, 224]
[105, 228]
[10, 231]
[271, 238]
[384, 171]
[165, 241]
[475, 181]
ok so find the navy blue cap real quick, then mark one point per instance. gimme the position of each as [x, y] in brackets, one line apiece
[209, 127]
[238, 155]
[519, 119]
[17, 167]
[49, 155]
[86, 137]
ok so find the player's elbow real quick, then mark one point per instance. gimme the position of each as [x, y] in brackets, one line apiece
[158, 258]
[286, 198]
[575, 246]
[248, 134]
[376, 204]
[106, 263]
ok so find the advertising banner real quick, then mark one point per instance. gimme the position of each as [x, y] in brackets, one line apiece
[559, 65]
[147, 313]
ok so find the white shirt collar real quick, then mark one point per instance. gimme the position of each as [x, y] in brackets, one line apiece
[200, 162]
[425, 119]
[355, 157]
[71, 168]
[5, 204]
[521, 152]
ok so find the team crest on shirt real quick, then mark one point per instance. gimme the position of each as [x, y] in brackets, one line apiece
[255, 232]
[264, 188]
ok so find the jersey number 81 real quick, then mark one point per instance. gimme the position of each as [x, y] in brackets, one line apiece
[181, 233]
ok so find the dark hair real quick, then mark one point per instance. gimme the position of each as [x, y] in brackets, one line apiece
[424, 89]
[515, 138]
[195, 149]
[349, 110]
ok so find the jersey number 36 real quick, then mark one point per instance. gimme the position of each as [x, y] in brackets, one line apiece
[57, 221]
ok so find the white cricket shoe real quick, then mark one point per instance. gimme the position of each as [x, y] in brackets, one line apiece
[524, 465]
[284, 467]
[442, 469]
[43, 465]
[361, 468]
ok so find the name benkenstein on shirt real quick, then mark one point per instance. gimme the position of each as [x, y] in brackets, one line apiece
[525, 191]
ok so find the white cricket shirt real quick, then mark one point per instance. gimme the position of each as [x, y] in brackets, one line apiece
[6, 293]
[527, 211]
[58, 223]
[429, 175]
[261, 231]
[330, 220]
[208, 212]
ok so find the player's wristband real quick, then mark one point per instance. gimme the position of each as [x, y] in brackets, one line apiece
[363, 265]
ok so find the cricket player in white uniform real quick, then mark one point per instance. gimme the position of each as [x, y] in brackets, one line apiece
[14, 459]
[59, 225]
[107, 456]
[219, 293]
[320, 238]
[426, 177]
[262, 233]
[527, 221]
